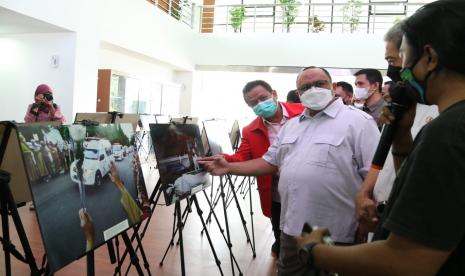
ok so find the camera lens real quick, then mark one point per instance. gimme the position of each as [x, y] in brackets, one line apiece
[48, 97]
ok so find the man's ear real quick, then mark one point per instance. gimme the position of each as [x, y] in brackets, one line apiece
[334, 86]
[432, 57]
[274, 94]
[377, 87]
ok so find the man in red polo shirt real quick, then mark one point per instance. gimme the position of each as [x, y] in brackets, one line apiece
[257, 137]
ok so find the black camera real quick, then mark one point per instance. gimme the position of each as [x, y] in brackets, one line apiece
[48, 97]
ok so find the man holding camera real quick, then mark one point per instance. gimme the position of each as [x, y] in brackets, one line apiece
[43, 109]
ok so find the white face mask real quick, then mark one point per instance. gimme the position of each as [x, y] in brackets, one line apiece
[359, 105]
[361, 93]
[316, 98]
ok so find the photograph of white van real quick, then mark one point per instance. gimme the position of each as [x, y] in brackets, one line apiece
[97, 160]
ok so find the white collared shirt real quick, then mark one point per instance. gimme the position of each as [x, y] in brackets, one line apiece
[424, 114]
[274, 128]
[322, 161]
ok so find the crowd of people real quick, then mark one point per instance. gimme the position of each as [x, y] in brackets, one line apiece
[319, 163]
[312, 156]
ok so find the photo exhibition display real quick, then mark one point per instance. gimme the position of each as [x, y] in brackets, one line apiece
[86, 181]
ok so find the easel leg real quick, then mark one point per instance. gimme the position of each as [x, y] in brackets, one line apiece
[241, 216]
[8, 205]
[181, 243]
[251, 211]
[221, 231]
[132, 253]
[199, 212]
[6, 236]
[227, 225]
[90, 263]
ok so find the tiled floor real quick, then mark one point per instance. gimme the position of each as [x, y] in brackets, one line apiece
[199, 259]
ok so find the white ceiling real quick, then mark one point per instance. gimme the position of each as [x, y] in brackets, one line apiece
[16, 23]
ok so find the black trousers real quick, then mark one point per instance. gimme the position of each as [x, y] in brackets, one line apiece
[275, 219]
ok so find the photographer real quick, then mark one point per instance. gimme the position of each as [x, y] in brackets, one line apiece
[422, 231]
[43, 109]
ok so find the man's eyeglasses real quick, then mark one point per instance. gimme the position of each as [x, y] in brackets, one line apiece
[318, 83]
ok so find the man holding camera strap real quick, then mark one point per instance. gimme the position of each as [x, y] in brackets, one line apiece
[43, 109]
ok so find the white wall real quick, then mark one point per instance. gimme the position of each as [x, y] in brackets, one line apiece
[141, 27]
[133, 64]
[138, 26]
[25, 63]
[80, 17]
[260, 49]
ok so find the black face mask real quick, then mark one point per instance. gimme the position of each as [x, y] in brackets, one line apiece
[393, 73]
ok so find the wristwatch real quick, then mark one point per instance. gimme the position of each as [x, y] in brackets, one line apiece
[305, 253]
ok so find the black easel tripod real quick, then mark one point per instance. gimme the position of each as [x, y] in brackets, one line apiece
[179, 228]
[8, 205]
[154, 197]
[180, 225]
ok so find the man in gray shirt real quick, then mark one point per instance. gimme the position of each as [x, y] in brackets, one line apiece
[367, 93]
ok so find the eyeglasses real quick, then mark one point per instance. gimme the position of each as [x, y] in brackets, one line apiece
[318, 83]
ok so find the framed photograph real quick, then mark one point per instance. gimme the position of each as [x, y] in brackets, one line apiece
[86, 183]
[99, 117]
[128, 118]
[18, 176]
[177, 148]
[146, 120]
[235, 135]
[217, 136]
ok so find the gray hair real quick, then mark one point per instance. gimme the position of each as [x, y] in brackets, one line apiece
[394, 34]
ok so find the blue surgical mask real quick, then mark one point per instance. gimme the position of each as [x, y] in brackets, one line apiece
[266, 109]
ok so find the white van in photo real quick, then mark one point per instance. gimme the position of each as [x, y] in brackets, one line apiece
[97, 161]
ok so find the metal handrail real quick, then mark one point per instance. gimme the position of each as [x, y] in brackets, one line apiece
[313, 17]
[372, 17]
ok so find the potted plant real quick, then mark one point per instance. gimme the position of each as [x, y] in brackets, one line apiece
[237, 17]
[289, 12]
[316, 24]
[351, 14]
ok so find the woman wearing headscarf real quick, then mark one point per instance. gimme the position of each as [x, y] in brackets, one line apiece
[43, 109]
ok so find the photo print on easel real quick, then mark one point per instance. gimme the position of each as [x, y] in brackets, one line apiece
[87, 185]
[217, 136]
[177, 149]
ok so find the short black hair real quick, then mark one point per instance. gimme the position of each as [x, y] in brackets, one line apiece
[347, 87]
[373, 76]
[315, 67]
[251, 85]
[388, 82]
[292, 97]
[441, 25]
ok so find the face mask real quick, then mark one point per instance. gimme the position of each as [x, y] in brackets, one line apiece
[359, 105]
[361, 93]
[415, 86]
[316, 98]
[266, 109]
[393, 73]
